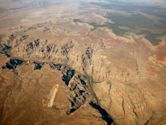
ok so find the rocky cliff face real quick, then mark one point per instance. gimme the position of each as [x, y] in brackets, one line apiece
[120, 83]
[69, 78]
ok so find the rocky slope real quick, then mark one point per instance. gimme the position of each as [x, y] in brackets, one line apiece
[68, 81]
[61, 65]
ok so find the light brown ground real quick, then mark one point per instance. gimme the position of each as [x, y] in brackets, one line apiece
[134, 70]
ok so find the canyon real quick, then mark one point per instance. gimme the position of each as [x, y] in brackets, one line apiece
[56, 70]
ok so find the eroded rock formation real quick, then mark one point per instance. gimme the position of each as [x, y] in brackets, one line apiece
[119, 85]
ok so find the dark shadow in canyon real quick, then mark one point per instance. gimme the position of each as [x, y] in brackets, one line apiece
[13, 63]
[103, 112]
[37, 66]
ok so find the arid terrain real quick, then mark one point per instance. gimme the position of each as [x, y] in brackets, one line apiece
[75, 62]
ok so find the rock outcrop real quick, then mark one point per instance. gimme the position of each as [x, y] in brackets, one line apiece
[120, 85]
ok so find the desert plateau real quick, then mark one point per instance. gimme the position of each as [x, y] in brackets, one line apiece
[82, 62]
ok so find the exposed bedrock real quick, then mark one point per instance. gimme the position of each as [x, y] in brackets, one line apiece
[117, 84]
